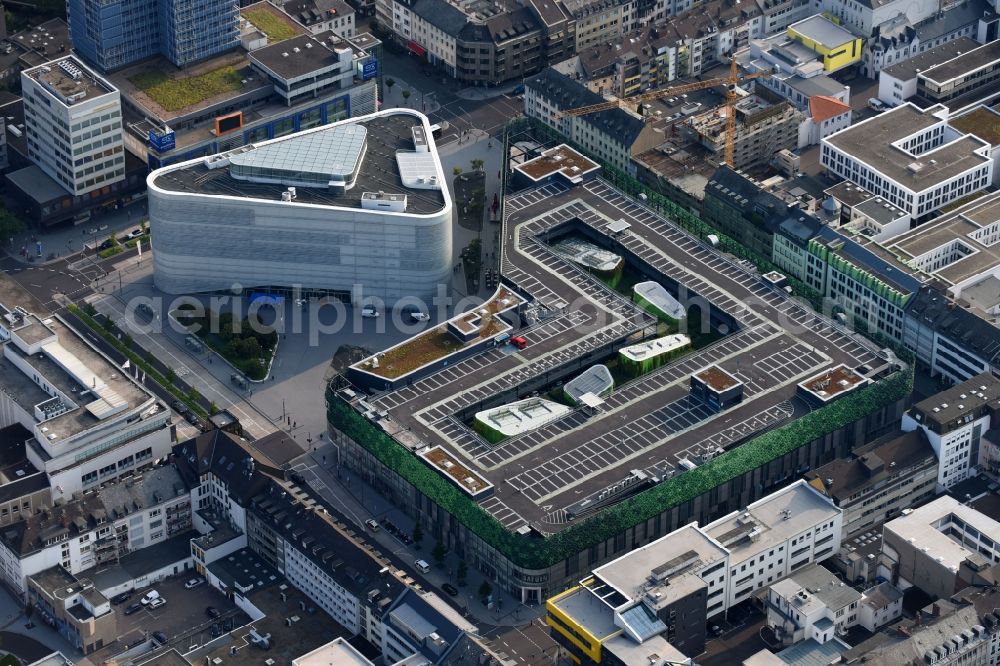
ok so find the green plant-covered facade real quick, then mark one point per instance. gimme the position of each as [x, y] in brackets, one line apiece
[535, 566]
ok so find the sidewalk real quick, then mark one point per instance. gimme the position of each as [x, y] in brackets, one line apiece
[418, 101]
[359, 501]
[65, 241]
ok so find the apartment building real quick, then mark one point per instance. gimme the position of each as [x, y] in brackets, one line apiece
[668, 588]
[876, 482]
[911, 157]
[320, 16]
[708, 33]
[98, 527]
[954, 422]
[898, 40]
[929, 546]
[614, 136]
[813, 604]
[645, 59]
[73, 124]
[90, 421]
[74, 607]
[765, 125]
[481, 42]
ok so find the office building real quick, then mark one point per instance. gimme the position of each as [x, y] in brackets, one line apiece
[963, 80]
[929, 546]
[282, 91]
[615, 135]
[670, 587]
[910, 157]
[98, 528]
[797, 71]
[954, 422]
[357, 209]
[90, 422]
[836, 47]
[113, 35]
[898, 83]
[877, 481]
[811, 603]
[73, 124]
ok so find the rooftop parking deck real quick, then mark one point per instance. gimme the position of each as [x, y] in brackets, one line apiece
[648, 424]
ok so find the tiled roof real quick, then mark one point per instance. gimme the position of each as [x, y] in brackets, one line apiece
[822, 107]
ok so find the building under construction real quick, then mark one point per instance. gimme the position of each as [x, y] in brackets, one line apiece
[765, 124]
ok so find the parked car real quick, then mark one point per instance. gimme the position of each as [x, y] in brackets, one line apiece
[216, 630]
[157, 602]
[416, 314]
[149, 597]
[875, 104]
[518, 89]
[121, 598]
[133, 608]
[519, 341]
[369, 311]
[193, 583]
[159, 637]
[212, 612]
[450, 589]
[180, 407]
[372, 525]
[135, 233]
[106, 245]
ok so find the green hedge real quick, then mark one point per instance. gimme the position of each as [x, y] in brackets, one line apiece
[138, 361]
[535, 553]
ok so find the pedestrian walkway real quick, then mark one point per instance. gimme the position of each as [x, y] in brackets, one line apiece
[479, 92]
[358, 501]
[392, 97]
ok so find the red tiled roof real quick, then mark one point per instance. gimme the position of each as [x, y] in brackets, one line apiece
[822, 107]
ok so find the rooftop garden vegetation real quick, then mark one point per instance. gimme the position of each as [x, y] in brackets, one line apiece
[173, 94]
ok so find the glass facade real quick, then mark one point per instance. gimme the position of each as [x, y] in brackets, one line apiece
[111, 34]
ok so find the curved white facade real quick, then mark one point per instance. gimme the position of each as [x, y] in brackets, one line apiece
[214, 240]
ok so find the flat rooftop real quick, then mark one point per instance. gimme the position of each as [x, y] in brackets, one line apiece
[963, 235]
[822, 30]
[919, 528]
[295, 57]
[963, 65]
[26, 393]
[931, 58]
[648, 424]
[686, 550]
[870, 142]
[828, 384]
[69, 80]
[778, 517]
[590, 612]
[386, 134]
[335, 653]
[562, 160]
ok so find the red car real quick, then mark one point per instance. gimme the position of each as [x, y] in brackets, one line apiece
[519, 342]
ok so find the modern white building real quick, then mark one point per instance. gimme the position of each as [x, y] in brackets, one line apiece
[955, 421]
[358, 209]
[91, 421]
[73, 122]
[932, 545]
[911, 157]
[672, 585]
[811, 603]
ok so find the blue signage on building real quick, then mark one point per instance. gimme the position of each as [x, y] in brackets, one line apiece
[162, 142]
[369, 70]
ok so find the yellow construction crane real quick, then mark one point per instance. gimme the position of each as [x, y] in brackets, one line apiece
[730, 82]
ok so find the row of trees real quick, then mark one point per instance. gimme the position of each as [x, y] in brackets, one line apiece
[438, 553]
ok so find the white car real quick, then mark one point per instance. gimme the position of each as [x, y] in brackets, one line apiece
[416, 315]
[157, 602]
[193, 583]
[149, 597]
[369, 311]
